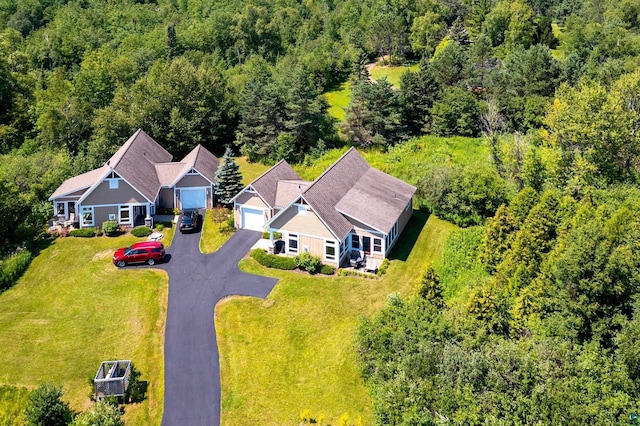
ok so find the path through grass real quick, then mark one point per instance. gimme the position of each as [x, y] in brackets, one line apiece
[294, 351]
[73, 309]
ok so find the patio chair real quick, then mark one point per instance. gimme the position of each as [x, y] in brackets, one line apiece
[356, 258]
[71, 221]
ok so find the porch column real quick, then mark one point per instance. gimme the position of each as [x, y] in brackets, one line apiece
[271, 235]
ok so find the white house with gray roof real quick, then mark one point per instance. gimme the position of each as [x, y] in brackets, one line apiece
[351, 206]
[139, 178]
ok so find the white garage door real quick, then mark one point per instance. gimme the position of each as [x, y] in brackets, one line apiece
[252, 219]
[193, 198]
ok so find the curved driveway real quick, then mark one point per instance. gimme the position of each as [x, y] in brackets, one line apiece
[191, 362]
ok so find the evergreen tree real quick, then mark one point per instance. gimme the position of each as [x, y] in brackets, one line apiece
[431, 289]
[418, 92]
[46, 408]
[228, 179]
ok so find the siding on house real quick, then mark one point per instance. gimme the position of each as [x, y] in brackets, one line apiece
[249, 199]
[101, 214]
[192, 181]
[125, 194]
[310, 224]
[165, 198]
[316, 246]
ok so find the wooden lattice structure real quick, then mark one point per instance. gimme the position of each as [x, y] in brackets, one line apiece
[112, 379]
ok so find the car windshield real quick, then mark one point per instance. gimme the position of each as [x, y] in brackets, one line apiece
[127, 250]
[187, 219]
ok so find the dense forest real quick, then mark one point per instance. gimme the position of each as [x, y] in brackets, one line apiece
[78, 77]
[541, 326]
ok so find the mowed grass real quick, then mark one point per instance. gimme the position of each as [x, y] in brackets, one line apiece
[295, 351]
[393, 74]
[250, 171]
[212, 239]
[73, 309]
[338, 101]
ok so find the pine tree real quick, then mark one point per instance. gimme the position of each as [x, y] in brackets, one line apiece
[431, 289]
[228, 179]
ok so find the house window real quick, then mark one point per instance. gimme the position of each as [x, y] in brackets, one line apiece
[377, 245]
[302, 210]
[87, 216]
[125, 215]
[355, 242]
[113, 183]
[330, 250]
[293, 243]
[193, 172]
[60, 209]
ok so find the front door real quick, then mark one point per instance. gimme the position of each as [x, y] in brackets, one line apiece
[366, 244]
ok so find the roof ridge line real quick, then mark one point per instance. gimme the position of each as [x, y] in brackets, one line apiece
[129, 142]
[313, 182]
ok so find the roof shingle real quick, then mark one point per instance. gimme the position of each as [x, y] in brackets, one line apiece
[267, 183]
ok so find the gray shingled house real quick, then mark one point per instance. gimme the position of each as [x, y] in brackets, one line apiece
[351, 206]
[134, 182]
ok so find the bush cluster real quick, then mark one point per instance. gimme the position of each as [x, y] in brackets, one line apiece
[12, 268]
[382, 269]
[110, 227]
[219, 214]
[141, 231]
[308, 262]
[83, 232]
[273, 261]
[276, 235]
[351, 272]
[327, 270]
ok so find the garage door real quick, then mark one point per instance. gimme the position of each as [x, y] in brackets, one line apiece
[193, 198]
[252, 219]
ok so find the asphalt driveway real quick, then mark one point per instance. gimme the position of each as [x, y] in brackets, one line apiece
[191, 361]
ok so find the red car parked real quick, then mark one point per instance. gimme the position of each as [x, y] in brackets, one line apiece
[147, 251]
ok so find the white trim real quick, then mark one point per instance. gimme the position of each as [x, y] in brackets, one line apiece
[128, 208]
[362, 221]
[190, 174]
[243, 207]
[295, 201]
[82, 213]
[66, 194]
[336, 251]
[95, 185]
[251, 191]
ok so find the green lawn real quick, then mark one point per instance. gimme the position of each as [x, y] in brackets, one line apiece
[391, 73]
[294, 351]
[250, 171]
[73, 309]
[212, 239]
[338, 101]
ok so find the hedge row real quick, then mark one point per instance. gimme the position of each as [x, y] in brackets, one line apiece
[273, 261]
[12, 268]
[285, 263]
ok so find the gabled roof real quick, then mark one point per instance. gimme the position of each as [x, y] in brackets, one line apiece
[77, 183]
[351, 187]
[377, 199]
[144, 165]
[168, 172]
[288, 190]
[332, 185]
[267, 183]
[136, 161]
[202, 161]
